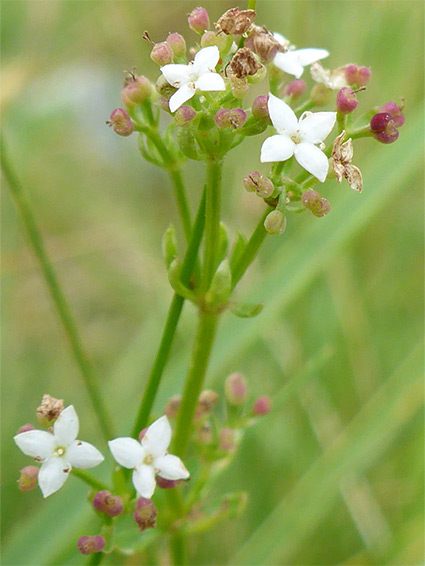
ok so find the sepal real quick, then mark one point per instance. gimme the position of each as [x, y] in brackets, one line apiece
[175, 282]
[246, 310]
[187, 143]
[221, 285]
[169, 246]
[223, 242]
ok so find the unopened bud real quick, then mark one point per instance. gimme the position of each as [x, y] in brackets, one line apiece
[262, 406]
[28, 478]
[142, 433]
[240, 87]
[384, 128]
[357, 76]
[177, 44]
[89, 545]
[184, 115]
[199, 20]
[204, 434]
[162, 54]
[320, 94]
[164, 88]
[105, 502]
[121, 122]
[315, 203]
[262, 186]
[136, 91]
[275, 223]
[49, 410]
[25, 428]
[346, 100]
[396, 112]
[295, 88]
[172, 407]
[235, 389]
[164, 104]
[234, 118]
[145, 514]
[214, 38]
[226, 440]
[260, 108]
[167, 484]
[206, 402]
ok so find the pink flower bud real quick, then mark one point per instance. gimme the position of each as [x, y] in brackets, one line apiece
[136, 91]
[25, 428]
[234, 118]
[295, 88]
[177, 44]
[162, 54]
[315, 203]
[254, 182]
[235, 389]
[226, 440]
[145, 514]
[357, 76]
[172, 407]
[346, 100]
[89, 545]
[198, 20]
[121, 122]
[260, 107]
[142, 433]
[262, 406]
[396, 112]
[105, 502]
[184, 115]
[364, 75]
[275, 223]
[167, 484]
[28, 478]
[384, 128]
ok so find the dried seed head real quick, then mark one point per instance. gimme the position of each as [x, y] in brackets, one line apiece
[244, 63]
[145, 514]
[235, 21]
[263, 43]
[49, 410]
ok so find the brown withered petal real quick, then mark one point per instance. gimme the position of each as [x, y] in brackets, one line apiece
[235, 21]
[244, 63]
[339, 170]
[50, 408]
[354, 177]
[263, 43]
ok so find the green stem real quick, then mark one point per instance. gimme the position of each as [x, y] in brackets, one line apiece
[89, 479]
[363, 132]
[205, 335]
[96, 558]
[171, 324]
[178, 549]
[251, 249]
[251, 4]
[24, 206]
[304, 106]
[212, 222]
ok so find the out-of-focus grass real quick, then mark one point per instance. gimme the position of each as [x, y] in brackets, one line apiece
[335, 474]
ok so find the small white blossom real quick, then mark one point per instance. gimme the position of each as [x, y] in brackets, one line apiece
[334, 80]
[149, 457]
[59, 451]
[293, 61]
[198, 74]
[298, 137]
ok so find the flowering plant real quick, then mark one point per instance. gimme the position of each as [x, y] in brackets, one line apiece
[204, 97]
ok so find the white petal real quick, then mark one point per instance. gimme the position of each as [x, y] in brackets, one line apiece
[36, 443]
[171, 468]
[83, 455]
[288, 63]
[65, 429]
[52, 475]
[180, 97]
[282, 116]
[206, 59]
[312, 159]
[144, 480]
[317, 126]
[310, 55]
[280, 38]
[176, 75]
[157, 437]
[210, 81]
[128, 452]
[277, 148]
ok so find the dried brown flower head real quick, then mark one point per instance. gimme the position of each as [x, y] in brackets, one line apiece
[244, 63]
[235, 21]
[263, 43]
[342, 155]
[49, 409]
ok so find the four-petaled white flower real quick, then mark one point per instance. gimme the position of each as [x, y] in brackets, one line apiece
[293, 61]
[198, 74]
[58, 451]
[298, 137]
[149, 457]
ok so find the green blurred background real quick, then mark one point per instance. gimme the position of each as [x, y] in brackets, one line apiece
[335, 473]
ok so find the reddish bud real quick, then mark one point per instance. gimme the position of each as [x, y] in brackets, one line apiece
[275, 223]
[145, 514]
[364, 75]
[121, 122]
[262, 406]
[357, 76]
[167, 484]
[346, 100]
[177, 44]
[234, 118]
[199, 20]
[396, 112]
[184, 115]
[162, 54]
[172, 407]
[25, 428]
[28, 478]
[226, 439]
[295, 88]
[235, 389]
[260, 107]
[315, 203]
[136, 91]
[105, 502]
[142, 433]
[89, 545]
[384, 128]
[254, 182]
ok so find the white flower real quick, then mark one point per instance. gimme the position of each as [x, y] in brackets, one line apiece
[334, 80]
[298, 137]
[59, 451]
[149, 457]
[293, 61]
[198, 74]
